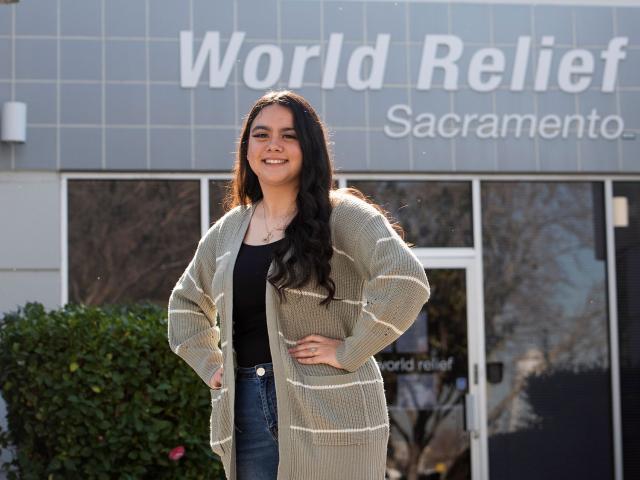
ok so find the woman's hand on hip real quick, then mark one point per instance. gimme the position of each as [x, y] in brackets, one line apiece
[314, 349]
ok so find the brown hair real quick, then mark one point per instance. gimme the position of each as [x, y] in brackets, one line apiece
[308, 234]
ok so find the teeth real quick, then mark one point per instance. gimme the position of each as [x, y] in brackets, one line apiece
[274, 161]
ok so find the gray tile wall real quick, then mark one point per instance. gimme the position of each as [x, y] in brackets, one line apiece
[101, 81]
[31, 227]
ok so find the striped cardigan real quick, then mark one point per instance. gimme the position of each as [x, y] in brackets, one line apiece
[332, 423]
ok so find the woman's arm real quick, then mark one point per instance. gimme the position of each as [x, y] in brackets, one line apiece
[395, 290]
[193, 332]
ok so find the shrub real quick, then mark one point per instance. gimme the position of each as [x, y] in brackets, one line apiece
[97, 393]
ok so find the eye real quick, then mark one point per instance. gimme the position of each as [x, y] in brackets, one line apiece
[290, 136]
[259, 135]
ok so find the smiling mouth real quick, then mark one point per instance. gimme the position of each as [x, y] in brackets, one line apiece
[274, 162]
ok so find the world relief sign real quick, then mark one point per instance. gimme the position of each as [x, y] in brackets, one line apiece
[487, 69]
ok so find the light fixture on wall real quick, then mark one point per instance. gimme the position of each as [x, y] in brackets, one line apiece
[14, 122]
[620, 212]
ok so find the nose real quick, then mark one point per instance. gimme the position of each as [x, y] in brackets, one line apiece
[274, 145]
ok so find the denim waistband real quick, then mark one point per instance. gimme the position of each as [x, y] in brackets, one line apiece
[250, 372]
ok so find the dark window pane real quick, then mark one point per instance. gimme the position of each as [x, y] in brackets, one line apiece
[433, 214]
[547, 327]
[217, 192]
[628, 285]
[130, 240]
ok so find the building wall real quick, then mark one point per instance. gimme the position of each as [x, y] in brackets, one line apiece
[30, 254]
[106, 90]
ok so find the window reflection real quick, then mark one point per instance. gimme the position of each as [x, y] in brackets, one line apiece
[433, 214]
[546, 326]
[425, 374]
[129, 240]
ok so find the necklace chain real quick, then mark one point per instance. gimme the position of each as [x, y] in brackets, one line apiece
[267, 238]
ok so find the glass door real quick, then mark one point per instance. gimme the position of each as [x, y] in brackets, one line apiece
[548, 390]
[430, 387]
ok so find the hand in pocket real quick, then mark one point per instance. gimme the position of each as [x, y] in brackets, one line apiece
[216, 380]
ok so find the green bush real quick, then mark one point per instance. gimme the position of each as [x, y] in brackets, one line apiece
[97, 393]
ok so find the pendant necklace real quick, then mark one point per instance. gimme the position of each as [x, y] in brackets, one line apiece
[267, 238]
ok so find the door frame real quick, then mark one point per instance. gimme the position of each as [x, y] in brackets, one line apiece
[466, 259]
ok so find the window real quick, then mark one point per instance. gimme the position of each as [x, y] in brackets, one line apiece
[546, 328]
[433, 214]
[130, 240]
[217, 193]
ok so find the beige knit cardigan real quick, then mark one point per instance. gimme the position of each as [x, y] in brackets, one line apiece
[333, 424]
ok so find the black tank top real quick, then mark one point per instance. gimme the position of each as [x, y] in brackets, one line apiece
[250, 337]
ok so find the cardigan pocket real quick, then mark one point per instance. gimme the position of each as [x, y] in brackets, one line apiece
[219, 413]
[336, 410]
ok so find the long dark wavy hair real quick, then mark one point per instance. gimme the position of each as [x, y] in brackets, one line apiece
[308, 234]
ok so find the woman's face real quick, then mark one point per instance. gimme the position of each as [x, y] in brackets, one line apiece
[274, 152]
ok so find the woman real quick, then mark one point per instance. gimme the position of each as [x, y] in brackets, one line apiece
[301, 285]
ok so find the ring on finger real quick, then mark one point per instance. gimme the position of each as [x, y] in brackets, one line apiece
[313, 349]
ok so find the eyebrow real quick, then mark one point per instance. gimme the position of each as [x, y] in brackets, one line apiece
[264, 127]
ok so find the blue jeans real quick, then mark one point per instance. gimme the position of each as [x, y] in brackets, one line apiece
[256, 423]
